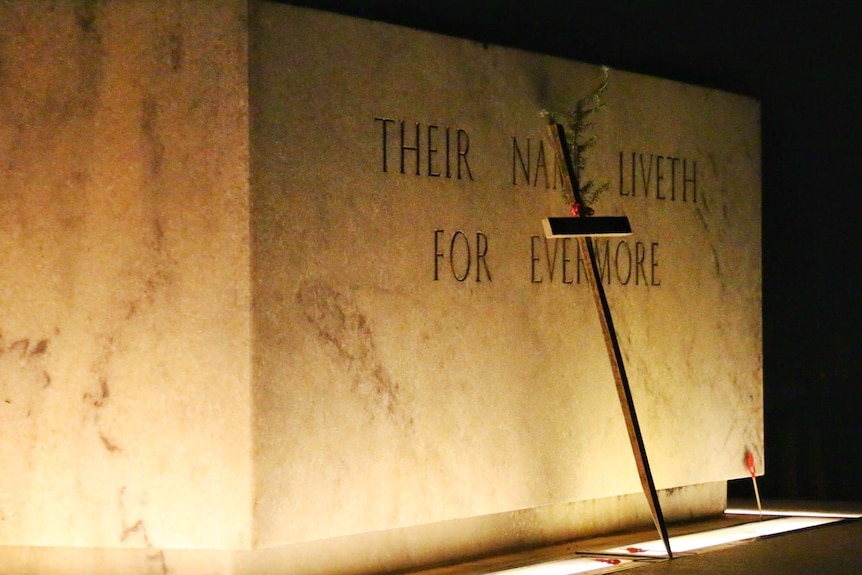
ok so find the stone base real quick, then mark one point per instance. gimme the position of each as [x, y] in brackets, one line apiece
[382, 551]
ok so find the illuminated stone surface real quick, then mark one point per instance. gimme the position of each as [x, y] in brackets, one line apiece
[124, 284]
[436, 399]
[226, 326]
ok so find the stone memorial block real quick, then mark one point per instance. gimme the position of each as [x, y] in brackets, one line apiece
[271, 276]
[412, 322]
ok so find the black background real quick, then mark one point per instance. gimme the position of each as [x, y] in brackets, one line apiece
[801, 62]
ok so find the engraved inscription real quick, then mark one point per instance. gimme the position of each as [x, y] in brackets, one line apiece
[622, 262]
[434, 151]
[658, 177]
[533, 166]
[461, 257]
[424, 149]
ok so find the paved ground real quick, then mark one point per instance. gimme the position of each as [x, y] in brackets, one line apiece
[834, 549]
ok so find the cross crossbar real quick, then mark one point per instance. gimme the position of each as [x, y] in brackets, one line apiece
[577, 227]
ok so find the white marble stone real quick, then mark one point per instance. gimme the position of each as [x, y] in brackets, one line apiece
[398, 399]
[220, 325]
[125, 335]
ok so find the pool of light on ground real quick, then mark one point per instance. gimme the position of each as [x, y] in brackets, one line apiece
[629, 555]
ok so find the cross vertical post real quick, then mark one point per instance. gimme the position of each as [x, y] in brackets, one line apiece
[570, 178]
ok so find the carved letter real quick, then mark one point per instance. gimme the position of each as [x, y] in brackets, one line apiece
[692, 180]
[541, 163]
[432, 150]
[604, 265]
[673, 163]
[623, 192]
[533, 259]
[469, 261]
[481, 252]
[646, 175]
[658, 178]
[383, 123]
[463, 148]
[438, 255]
[640, 254]
[654, 260]
[551, 260]
[628, 260]
[517, 158]
[414, 148]
[566, 260]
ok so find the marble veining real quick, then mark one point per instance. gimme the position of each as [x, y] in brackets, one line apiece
[24, 374]
[346, 331]
[136, 530]
[124, 288]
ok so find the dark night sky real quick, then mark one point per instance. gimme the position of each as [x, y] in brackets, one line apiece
[802, 63]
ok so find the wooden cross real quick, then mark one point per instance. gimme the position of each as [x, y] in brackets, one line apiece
[583, 228]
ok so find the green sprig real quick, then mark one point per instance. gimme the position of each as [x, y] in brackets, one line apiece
[578, 126]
